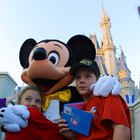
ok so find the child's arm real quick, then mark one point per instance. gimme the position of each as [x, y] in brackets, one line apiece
[65, 131]
[121, 132]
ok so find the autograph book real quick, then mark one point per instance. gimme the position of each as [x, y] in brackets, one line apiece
[77, 119]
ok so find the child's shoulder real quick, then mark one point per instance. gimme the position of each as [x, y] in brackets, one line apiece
[110, 97]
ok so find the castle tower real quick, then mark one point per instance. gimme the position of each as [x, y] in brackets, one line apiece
[107, 45]
[109, 63]
[99, 55]
[128, 85]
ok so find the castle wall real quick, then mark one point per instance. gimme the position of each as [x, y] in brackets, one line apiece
[135, 120]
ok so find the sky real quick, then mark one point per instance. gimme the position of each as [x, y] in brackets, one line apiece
[62, 19]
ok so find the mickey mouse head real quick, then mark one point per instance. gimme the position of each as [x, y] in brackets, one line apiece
[47, 62]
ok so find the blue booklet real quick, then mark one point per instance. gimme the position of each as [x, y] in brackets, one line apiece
[77, 119]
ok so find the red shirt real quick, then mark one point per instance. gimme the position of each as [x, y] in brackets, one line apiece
[39, 128]
[106, 110]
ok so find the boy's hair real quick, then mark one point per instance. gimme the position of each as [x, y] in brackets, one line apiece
[86, 63]
[28, 88]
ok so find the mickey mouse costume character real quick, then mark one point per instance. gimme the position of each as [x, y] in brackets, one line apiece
[46, 64]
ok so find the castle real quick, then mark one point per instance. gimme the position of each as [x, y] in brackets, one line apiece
[109, 64]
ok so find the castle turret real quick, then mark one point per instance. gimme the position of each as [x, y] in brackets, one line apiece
[108, 47]
[99, 55]
[124, 75]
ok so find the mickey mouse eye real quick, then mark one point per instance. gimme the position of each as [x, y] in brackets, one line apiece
[54, 57]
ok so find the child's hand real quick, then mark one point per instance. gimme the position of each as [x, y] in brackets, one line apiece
[64, 130]
[62, 125]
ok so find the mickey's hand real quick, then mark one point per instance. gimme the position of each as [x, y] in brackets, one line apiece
[106, 85]
[14, 117]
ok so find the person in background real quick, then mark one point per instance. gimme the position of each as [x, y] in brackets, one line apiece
[7, 100]
[111, 116]
[2, 102]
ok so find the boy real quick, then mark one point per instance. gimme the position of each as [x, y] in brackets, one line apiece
[111, 117]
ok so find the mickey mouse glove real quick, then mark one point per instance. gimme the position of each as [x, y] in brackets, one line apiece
[106, 85]
[14, 117]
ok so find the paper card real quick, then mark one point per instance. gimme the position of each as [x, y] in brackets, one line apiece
[79, 105]
[77, 119]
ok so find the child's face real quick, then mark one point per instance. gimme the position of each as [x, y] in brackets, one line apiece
[31, 98]
[84, 79]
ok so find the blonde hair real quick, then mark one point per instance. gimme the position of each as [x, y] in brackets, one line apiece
[35, 88]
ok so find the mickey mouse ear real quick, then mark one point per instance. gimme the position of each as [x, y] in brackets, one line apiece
[82, 47]
[25, 50]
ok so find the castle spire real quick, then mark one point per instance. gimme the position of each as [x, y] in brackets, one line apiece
[108, 48]
[106, 25]
[124, 75]
[104, 15]
[123, 67]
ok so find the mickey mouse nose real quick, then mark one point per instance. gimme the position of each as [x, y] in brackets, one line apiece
[39, 54]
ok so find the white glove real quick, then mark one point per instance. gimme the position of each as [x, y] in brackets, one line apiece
[106, 85]
[14, 117]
